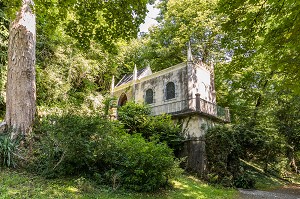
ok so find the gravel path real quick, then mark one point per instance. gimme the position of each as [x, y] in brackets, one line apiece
[287, 192]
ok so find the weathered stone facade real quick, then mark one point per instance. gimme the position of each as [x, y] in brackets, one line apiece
[187, 92]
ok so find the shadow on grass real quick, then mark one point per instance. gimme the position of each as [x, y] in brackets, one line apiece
[18, 184]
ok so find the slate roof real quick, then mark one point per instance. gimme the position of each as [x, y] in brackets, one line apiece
[127, 78]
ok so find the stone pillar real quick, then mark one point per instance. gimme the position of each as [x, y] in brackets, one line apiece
[198, 102]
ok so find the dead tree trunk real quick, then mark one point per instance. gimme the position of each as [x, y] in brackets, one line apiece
[21, 88]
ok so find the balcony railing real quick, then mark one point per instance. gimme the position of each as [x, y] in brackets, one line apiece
[192, 106]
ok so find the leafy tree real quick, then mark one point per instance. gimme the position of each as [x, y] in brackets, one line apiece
[191, 20]
[288, 119]
[166, 43]
[262, 42]
[86, 21]
[268, 28]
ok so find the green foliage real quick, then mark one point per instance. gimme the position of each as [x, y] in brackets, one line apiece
[244, 181]
[264, 28]
[74, 144]
[8, 150]
[287, 122]
[136, 164]
[67, 143]
[4, 23]
[222, 154]
[3, 35]
[104, 22]
[136, 119]
[224, 148]
[108, 103]
[288, 119]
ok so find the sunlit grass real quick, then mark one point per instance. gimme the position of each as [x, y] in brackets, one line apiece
[267, 181]
[16, 184]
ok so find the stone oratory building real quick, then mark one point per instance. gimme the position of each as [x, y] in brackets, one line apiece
[187, 92]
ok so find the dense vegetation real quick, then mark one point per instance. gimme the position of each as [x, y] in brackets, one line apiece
[73, 144]
[254, 46]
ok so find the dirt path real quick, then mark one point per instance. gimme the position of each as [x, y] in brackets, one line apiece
[286, 192]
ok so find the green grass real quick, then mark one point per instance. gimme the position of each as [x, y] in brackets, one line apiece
[265, 181]
[18, 184]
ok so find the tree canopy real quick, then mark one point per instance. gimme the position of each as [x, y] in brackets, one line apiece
[265, 28]
[102, 21]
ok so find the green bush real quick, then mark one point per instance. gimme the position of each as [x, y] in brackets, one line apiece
[67, 143]
[137, 119]
[244, 181]
[222, 154]
[72, 144]
[223, 149]
[220, 146]
[136, 164]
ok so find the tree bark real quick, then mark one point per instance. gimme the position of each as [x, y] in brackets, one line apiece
[21, 87]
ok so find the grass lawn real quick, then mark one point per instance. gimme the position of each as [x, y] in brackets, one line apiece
[18, 184]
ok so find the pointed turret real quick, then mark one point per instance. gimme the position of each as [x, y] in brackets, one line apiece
[112, 85]
[134, 73]
[189, 53]
[212, 82]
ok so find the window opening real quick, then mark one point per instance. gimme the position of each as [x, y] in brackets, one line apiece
[149, 96]
[170, 90]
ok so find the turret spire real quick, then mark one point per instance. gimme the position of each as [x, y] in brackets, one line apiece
[112, 84]
[189, 53]
[134, 73]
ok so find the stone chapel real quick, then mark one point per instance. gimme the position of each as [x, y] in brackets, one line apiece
[187, 92]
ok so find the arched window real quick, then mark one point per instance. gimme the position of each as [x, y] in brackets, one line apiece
[170, 90]
[149, 96]
[122, 100]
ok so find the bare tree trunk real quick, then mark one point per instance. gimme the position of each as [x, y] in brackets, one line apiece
[21, 88]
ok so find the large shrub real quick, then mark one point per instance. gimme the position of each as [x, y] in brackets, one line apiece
[73, 144]
[130, 161]
[223, 148]
[67, 143]
[137, 119]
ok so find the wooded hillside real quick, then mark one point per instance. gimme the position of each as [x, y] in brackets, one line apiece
[253, 45]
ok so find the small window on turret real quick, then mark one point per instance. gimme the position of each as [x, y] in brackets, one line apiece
[149, 96]
[170, 90]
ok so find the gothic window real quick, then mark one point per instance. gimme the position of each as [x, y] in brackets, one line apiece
[149, 96]
[122, 99]
[170, 90]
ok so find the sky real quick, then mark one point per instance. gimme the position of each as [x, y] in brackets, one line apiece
[150, 18]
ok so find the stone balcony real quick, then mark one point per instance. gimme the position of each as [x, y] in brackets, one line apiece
[192, 106]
